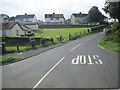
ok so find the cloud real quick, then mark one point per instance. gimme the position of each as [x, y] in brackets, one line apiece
[41, 7]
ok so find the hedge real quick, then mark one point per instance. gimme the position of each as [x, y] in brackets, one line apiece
[97, 28]
[20, 40]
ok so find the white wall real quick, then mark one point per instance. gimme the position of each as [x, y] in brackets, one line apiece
[54, 20]
[16, 27]
[33, 27]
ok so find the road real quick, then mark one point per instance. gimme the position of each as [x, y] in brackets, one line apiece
[77, 64]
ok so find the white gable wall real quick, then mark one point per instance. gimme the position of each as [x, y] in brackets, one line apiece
[16, 27]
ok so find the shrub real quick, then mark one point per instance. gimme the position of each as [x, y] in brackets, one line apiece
[43, 41]
[22, 35]
[52, 40]
[33, 43]
[3, 47]
[30, 34]
[29, 31]
[97, 28]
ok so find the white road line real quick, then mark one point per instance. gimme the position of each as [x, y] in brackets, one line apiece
[91, 38]
[47, 73]
[76, 47]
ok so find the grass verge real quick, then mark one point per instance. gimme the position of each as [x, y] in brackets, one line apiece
[111, 39]
[110, 45]
[9, 59]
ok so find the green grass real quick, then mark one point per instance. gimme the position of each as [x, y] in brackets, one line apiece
[111, 40]
[11, 49]
[110, 45]
[64, 32]
[9, 59]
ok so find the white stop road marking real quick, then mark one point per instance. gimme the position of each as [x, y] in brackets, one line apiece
[87, 59]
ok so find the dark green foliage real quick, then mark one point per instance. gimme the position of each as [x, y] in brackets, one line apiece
[52, 40]
[113, 33]
[29, 31]
[33, 42]
[3, 47]
[95, 15]
[30, 34]
[22, 35]
[88, 30]
[43, 41]
[97, 28]
[113, 9]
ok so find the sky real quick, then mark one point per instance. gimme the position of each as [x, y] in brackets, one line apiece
[42, 7]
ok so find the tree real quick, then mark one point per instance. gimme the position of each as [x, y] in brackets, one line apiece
[94, 15]
[113, 9]
[67, 22]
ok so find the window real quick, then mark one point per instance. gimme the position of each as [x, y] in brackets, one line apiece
[4, 32]
[57, 18]
[85, 17]
[51, 18]
[17, 33]
[52, 23]
[27, 20]
[57, 22]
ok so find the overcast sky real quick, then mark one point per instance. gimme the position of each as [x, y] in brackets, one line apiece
[41, 7]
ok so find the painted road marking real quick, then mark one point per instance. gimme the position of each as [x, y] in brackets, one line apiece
[47, 73]
[76, 47]
[87, 59]
[90, 38]
[96, 58]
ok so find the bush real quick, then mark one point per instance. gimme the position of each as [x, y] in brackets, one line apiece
[43, 41]
[33, 43]
[29, 31]
[116, 25]
[30, 34]
[97, 28]
[52, 40]
[3, 47]
[22, 35]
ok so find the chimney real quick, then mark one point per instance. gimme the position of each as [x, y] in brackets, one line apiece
[25, 13]
[54, 13]
[79, 12]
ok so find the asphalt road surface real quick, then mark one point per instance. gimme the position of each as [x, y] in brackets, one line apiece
[77, 64]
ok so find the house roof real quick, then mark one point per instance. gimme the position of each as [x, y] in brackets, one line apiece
[10, 25]
[29, 23]
[25, 28]
[4, 15]
[26, 16]
[79, 15]
[54, 16]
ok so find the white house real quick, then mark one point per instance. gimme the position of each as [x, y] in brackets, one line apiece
[32, 25]
[4, 18]
[13, 29]
[57, 19]
[26, 18]
[78, 18]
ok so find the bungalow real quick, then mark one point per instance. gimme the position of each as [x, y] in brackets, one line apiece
[13, 29]
[32, 25]
[54, 19]
[26, 18]
[78, 18]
